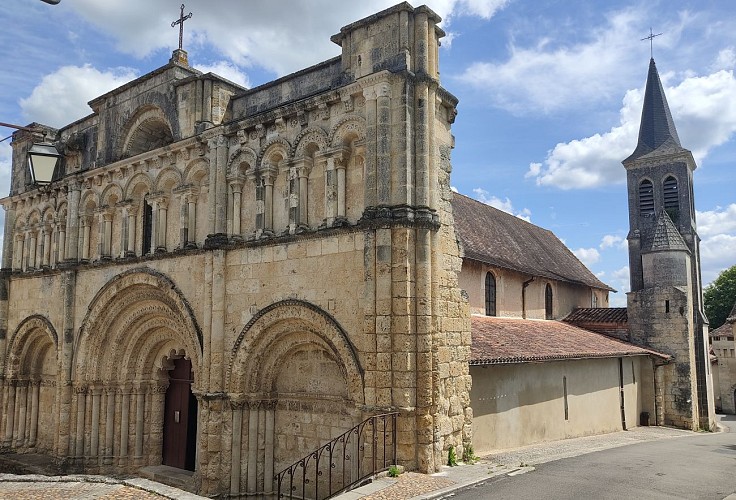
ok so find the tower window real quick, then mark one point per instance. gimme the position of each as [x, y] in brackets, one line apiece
[671, 197]
[646, 198]
[490, 295]
[548, 302]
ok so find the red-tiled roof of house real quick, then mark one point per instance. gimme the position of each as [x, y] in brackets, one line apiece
[722, 331]
[597, 315]
[510, 340]
[499, 239]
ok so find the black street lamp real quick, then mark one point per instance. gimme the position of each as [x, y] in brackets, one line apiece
[43, 158]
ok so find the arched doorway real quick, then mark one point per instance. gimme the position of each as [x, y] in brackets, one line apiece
[138, 346]
[298, 377]
[180, 417]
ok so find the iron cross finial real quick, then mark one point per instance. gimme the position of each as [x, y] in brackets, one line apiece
[180, 22]
[651, 43]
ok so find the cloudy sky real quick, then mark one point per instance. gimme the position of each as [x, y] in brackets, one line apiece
[550, 91]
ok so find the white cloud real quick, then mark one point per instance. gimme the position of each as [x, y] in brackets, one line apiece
[587, 256]
[704, 110]
[726, 59]
[226, 70]
[280, 35]
[613, 241]
[716, 221]
[505, 205]
[62, 96]
[549, 75]
[620, 281]
[716, 254]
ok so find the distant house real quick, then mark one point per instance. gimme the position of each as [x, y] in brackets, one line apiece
[723, 348]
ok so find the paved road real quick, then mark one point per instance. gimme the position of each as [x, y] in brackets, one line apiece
[699, 467]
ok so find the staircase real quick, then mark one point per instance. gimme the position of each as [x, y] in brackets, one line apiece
[343, 463]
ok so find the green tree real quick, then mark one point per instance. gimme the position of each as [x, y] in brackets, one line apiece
[720, 297]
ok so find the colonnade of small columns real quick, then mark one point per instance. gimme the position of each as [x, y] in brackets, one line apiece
[21, 398]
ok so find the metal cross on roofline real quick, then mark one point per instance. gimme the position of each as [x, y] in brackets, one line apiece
[180, 22]
[651, 43]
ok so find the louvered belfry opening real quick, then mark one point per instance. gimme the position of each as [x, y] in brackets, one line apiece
[646, 197]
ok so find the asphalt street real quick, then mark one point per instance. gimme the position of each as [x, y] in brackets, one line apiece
[701, 466]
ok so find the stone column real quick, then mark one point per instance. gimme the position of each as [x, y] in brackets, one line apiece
[9, 238]
[340, 164]
[26, 260]
[18, 252]
[422, 174]
[383, 144]
[235, 463]
[33, 249]
[162, 224]
[237, 189]
[330, 192]
[81, 392]
[61, 247]
[10, 412]
[252, 448]
[46, 254]
[22, 402]
[192, 221]
[270, 443]
[268, 179]
[107, 234]
[85, 237]
[95, 431]
[140, 400]
[72, 250]
[124, 424]
[220, 192]
[303, 174]
[35, 390]
[130, 245]
[154, 226]
[109, 425]
[370, 146]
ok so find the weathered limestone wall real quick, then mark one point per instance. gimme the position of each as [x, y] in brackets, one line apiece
[660, 318]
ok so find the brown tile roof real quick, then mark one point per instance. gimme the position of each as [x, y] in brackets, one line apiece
[499, 239]
[597, 315]
[723, 330]
[509, 340]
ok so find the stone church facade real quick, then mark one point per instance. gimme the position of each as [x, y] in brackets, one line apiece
[223, 279]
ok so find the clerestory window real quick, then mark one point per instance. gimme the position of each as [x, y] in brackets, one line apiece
[490, 295]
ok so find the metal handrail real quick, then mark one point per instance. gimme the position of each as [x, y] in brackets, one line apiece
[351, 441]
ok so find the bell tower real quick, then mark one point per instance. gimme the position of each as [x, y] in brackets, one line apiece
[665, 305]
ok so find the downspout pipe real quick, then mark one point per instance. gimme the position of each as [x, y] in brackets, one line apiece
[523, 295]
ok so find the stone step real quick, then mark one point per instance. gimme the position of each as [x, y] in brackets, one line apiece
[178, 478]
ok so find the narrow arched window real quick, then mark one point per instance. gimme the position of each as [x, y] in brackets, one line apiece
[147, 227]
[490, 295]
[646, 198]
[671, 197]
[548, 301]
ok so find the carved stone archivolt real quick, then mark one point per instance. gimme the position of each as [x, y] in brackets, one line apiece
[278, 330]
[133, 319]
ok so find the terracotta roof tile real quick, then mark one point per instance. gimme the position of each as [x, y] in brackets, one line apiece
[509, 340]
[597, 315]
[723, 330]
[499, 239]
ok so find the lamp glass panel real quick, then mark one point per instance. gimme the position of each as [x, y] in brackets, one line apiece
[43, 167]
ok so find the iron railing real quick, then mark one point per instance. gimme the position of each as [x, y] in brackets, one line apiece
[363, 451]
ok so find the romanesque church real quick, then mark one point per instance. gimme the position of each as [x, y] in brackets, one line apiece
[275, 289]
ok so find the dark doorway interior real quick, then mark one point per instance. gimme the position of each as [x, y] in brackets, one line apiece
[180, 418]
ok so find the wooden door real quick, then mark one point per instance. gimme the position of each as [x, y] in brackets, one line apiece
[180, 417]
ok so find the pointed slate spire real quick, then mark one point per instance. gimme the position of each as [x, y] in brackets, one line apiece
[665, 236]
[657, 131]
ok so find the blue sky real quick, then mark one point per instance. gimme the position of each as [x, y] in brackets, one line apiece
[550, 91]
